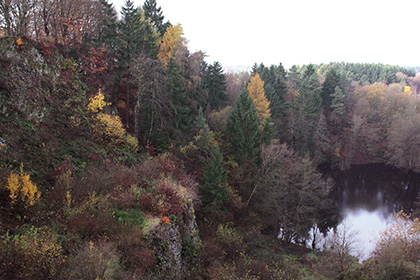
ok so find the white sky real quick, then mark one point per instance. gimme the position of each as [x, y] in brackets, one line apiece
[242, 32]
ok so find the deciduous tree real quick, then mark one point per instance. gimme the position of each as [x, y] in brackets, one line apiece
[172, 39]
[257, 94]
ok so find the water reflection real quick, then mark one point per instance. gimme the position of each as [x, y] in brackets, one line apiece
[367, 197]
[366, 226]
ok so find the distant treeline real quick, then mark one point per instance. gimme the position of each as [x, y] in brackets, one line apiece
[368, 72]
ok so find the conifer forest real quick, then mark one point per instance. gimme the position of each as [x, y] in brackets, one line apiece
[124, 155]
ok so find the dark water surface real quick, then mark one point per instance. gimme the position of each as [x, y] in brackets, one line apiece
[367, 197]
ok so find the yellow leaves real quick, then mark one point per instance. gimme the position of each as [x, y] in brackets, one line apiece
[132, 143]
[21, 188]
[97, 103]
[407, 90]
[19, 42]
[108, 130]
[372, 92]
[170, 41]
[256, 91]
[13, 186]
[110, 127]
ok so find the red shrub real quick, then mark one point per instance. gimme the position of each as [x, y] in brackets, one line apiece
[88, 226]
[163, 201]
[138, 254]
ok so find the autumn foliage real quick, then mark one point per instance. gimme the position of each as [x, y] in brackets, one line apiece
[22, 189]
[257, 94]
[108, 130]
[170, 41]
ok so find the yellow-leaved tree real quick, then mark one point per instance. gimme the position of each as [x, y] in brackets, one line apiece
[97, 102]
[257, 93]
[170, 41]
[407, 90]
[108, 130]
[22, 189]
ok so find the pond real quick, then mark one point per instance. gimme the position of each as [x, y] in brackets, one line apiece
[366, 198]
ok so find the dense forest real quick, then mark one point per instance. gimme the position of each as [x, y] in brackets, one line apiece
[125, 156]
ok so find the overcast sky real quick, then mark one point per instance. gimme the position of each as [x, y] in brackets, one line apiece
[242, 32]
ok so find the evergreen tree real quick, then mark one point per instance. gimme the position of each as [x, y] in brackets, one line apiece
[332, 80]
[267, 133]
[107, 34]
[274, 78]
[321, 140]
[293, 77]
[308, 71]
[152, 12]
[205, 135]
[307, 106]
[136, 35]
[215, 82]
[337, 105]
[179, 101]
[214, 188]
[243, 126]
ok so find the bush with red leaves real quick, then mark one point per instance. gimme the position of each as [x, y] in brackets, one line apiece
[163, 200]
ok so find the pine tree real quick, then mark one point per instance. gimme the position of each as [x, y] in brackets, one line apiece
[332, 80]
[294, 77]
[215, 83]
[155, 15]
[214, 188]
[307, 106]
[136, 35]
[243, 126]
[108, 26]
[203, 130]
[337, 105]
[179, 101]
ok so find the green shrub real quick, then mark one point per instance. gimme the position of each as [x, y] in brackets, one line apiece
[130, 217]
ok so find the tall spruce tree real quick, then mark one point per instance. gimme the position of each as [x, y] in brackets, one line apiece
[243, 126]
[214, 187]
[107, 34]
[337, 105]
[136, 35]
[332, 80]
[179, 102]
[307, 106]
[215, 82]
[154, 13]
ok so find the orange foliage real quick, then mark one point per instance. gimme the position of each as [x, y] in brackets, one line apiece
[257, 93]
[166, 220]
